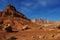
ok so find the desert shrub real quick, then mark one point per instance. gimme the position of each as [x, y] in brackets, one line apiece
[12, 38]
[52, 35]
[58, 27]
[1, 21]
[8, 29]
[1, 27]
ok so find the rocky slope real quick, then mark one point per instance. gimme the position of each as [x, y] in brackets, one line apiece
[16, 26]
[12, 17]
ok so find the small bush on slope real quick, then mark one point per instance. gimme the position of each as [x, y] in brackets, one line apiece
[12, 38]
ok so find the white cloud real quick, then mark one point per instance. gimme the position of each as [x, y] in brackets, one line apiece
[39, 3]
[28, 4]
[53, 2]
[43, 3]
[24, 9]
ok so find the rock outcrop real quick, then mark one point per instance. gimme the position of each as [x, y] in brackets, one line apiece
[42, 21]
[12, 12]
[10, 16]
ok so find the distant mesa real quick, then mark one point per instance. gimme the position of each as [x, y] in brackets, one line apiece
[41, 21]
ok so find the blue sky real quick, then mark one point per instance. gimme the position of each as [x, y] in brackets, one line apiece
[46, 9]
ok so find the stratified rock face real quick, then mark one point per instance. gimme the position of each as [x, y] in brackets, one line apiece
[38, 20]
[10, 16]
[11, 11]
[42, 21]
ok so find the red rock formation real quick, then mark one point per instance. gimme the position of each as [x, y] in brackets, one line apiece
[42, 21]
[14, 25]
[11, 11]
